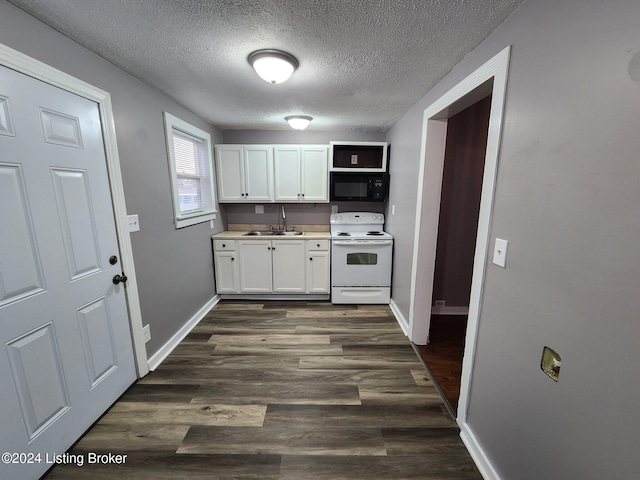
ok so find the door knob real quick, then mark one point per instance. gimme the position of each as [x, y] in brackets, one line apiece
[119, 278]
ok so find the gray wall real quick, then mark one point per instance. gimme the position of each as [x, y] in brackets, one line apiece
[568, 201]
[166, 259]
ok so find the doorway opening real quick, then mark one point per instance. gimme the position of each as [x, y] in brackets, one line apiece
[488, 79]
[461, 191]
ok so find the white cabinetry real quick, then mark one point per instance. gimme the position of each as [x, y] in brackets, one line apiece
[258, 266]
[255, 266]
[317, 268]
[301, 173]
[272, 266]
[226, 264]
[245, 173]
[288, 266]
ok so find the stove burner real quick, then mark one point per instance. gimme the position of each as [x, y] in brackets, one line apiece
[344, 234]
[375, 233]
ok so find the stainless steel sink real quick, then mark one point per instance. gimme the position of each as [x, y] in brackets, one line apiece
[261, 233]
[258, 233]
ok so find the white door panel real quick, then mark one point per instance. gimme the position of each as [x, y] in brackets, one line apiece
[66, 353]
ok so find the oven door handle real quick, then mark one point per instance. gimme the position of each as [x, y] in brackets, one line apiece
[352, 243]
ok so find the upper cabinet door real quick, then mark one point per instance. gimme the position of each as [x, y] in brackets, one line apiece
[258, 164]
[315, 173]
[268, 173]
[230, 172]
[287, 174]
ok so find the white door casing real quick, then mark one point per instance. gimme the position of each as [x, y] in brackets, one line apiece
[491, 77]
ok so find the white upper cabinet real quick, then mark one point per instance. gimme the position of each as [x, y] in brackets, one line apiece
[258, 173]
[301, 173]
[230, 173]
[288, 168]
[245, 173]
[315, 173]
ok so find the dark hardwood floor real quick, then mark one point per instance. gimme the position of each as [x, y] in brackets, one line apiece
[282, 390]
[443, 355]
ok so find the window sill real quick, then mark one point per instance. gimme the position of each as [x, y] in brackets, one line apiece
[188, 221]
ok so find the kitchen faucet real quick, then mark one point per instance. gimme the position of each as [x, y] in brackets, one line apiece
[284, 219]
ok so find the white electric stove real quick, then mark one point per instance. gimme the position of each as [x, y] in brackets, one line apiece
[361, 255]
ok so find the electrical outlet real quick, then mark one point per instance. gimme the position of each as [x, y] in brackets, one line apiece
[147, 333]
[334, 208]
[440, 303]
[259, 208]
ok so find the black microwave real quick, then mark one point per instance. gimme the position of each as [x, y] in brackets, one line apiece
[358, 187]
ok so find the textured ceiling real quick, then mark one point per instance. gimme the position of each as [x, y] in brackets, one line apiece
[363, 63]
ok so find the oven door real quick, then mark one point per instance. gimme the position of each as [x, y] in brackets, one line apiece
[361, 264]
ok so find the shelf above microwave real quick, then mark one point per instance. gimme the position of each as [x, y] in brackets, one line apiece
[358, 156]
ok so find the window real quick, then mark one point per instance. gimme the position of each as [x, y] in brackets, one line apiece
[191, 169]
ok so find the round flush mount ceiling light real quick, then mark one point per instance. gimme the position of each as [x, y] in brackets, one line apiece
[299, 122]
[273, 66]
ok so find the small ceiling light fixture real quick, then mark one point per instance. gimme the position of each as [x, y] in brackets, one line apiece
[274, 66]
[299, 122]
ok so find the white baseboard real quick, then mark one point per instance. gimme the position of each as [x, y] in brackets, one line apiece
[404, 325]
[477, 453]
[157, 358]
[449, 310]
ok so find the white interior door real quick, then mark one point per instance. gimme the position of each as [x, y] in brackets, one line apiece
[66, 352]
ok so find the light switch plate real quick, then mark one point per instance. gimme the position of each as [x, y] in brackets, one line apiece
[134, 223]
[146, 330]
[500, 252]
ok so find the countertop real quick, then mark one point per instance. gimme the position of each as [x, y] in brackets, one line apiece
[239, 235]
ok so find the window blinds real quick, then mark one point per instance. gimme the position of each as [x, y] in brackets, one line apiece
[190, 170]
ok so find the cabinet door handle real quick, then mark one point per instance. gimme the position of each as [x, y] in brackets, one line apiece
[232, 259]
[224, 245]
[310, 259]
[317, 245]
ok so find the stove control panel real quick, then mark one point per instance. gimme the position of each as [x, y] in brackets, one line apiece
[356, 218]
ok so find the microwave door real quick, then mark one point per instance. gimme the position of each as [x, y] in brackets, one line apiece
[350, 190]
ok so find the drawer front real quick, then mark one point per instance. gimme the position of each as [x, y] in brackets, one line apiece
[313, 245]
[221, 245]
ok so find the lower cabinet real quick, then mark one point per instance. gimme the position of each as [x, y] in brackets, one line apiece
[255, 266]
[289, 266]
[317, 271]
[227, 266]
